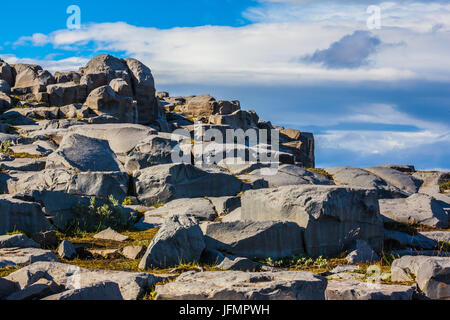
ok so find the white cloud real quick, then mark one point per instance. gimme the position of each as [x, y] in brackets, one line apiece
[68, 64]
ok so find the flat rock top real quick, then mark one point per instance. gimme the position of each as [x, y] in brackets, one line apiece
[110, 234]
[242, 285]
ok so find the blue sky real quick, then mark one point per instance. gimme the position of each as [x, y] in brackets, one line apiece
[370, 96]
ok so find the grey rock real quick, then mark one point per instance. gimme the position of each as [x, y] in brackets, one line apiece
[437, 236]
[360, 178]
[285, 176]
[225, 205]
[104, 101]
[154, 150]
[415, 252]
[17, 241]
[38, 290]
[400, 167]
[362, 253]
[358, 290]
[63, 77]
[430, 273]
[6, 73]
[21, 215]
[100, 184]
[132, 285]
[66, 250]
[162, 183]
[228, 262]
[144, 89]
[23, 165]
[401, 180]
[237, 285]
[180, 239]
[108, 291]
[333, 217]
[5, 87]
[270, 239]
[28, 75]
[110, 234]
[133, 252]
[416, 209]
[83, 153]
[7, 288]
[342, 269]
[19, 257]
[5, 100]
[121, 87]
[63, 94]
[235, 215]
[415, 241]
[122, 137]
[199, 208]
[48, 239]
[240, 119]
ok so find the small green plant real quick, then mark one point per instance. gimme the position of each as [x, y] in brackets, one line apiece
[127, 201]
[5, 146]
[97, 217]
[322, 172]
[445, 186]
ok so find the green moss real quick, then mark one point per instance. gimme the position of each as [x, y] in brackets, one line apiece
[4, 272]
[322, 172]
[445, 186]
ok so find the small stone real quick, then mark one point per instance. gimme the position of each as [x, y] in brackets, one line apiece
[66, 250]
[133, 252]
[110, 234]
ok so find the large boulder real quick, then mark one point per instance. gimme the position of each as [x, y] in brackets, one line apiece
[63, 94]
[431, 274]
[162, 183]
[20, 257]
[21, 215]
[154, 150]
[403, 181]
[17, 241]
[417, 209]
[238, 285]
[103, 291]
[148, 109]
[255, 239]
[32, 76]
[7, 288]
[240, 119]
[333, 217]
[286, 175]
[358, 290]
[71, 76]
[103, 68]
[180, 240]
[121, 87]
[100, 184]
[132, 285]
[84, 154]
[201, 106]
[104, 101]
[122, 137]
[5, 87]
[6, 73]
[5, 100]
[360, 178]
[199, 208]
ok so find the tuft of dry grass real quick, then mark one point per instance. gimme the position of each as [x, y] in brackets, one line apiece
[322, 172]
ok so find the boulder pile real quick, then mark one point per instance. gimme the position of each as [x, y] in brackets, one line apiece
[94, 151]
